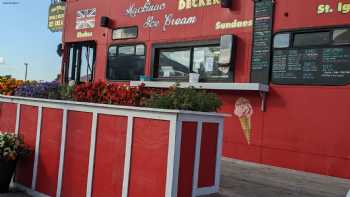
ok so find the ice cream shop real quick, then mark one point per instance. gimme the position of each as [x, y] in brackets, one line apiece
[280, 68]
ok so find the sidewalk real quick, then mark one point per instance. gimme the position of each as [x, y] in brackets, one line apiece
[243, 179]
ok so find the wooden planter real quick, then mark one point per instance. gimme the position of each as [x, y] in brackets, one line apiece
[84, 149]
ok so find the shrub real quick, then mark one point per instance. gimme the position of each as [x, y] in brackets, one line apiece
[12, 147]
[185, 99]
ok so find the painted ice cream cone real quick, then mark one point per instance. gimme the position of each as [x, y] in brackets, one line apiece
[246, 126]
[244, 111]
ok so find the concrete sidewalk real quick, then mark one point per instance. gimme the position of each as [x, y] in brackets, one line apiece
[243, 179]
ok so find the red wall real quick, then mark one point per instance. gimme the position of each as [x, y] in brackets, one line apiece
[149, 153]
[187, 158]
[27, 129]
[8, 117]
[207, 167]
[49, 155]
[76, 158]
[109, 156]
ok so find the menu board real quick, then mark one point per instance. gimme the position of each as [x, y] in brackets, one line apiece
[262, 36]
[318, 66]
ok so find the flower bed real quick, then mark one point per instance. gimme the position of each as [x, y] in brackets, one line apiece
[116, 94]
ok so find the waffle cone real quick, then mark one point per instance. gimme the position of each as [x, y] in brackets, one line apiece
[247, 128]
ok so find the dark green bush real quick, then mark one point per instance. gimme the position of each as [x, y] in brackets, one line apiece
[185, 99]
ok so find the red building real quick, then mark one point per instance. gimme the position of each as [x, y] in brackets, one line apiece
[281, 68]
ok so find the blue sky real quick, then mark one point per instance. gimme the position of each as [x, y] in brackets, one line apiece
[24, 37]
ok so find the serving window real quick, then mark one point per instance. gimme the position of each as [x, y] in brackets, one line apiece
[125, 62]
[312, 57]
[175, 63]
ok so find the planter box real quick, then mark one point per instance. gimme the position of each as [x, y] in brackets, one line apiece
[84, 149]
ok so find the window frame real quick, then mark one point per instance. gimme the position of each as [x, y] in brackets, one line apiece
[134, 26]
[191, 45]
[77, 48]
[292, 33]
[123, 44]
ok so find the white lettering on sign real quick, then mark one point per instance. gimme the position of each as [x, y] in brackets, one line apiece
[148, 7]
[151, 22]
[170, 20]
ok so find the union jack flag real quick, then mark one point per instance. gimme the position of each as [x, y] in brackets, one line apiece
[85, 19]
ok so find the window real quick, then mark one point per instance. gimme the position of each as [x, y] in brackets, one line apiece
[174, 63]
[126, 62]
[341, 36]
[317, 57]
[281, 40]
[311, 39]
[81, 62]
[125, 33]
[177, 63]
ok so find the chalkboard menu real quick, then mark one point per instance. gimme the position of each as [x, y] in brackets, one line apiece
[262, 36]
[317, 66]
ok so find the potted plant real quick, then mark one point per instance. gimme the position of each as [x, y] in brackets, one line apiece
[12, 148]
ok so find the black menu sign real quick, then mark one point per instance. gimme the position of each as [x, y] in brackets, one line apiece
[318, 66]
[262, 36]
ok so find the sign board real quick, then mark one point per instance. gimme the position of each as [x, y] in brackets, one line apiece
[56, 17]
[262, 39]
[316, 66]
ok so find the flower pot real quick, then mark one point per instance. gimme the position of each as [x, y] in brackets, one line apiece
[7, 169]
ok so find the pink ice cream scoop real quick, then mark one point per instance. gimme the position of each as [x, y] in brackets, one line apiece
[243, 108]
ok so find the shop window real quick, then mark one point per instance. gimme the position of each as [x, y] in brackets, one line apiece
[281, 40]
[341, 36]
[315, 58]
[125, 62]
[81, 62]
[125, 33]
[311, 39]
[177, 63]
[174, 62]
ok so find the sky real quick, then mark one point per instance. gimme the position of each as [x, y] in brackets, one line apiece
[25, 38]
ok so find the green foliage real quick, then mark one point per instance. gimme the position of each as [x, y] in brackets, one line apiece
[185, 99]
[65, 92]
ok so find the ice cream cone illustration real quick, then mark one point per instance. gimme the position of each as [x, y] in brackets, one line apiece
[244, 111]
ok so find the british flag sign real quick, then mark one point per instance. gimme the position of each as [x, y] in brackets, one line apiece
[85, 19]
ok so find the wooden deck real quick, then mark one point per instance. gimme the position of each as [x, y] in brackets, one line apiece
[243, 179]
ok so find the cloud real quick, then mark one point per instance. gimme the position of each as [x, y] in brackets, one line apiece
[2, 60]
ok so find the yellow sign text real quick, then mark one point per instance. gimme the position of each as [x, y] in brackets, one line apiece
[189, 4]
